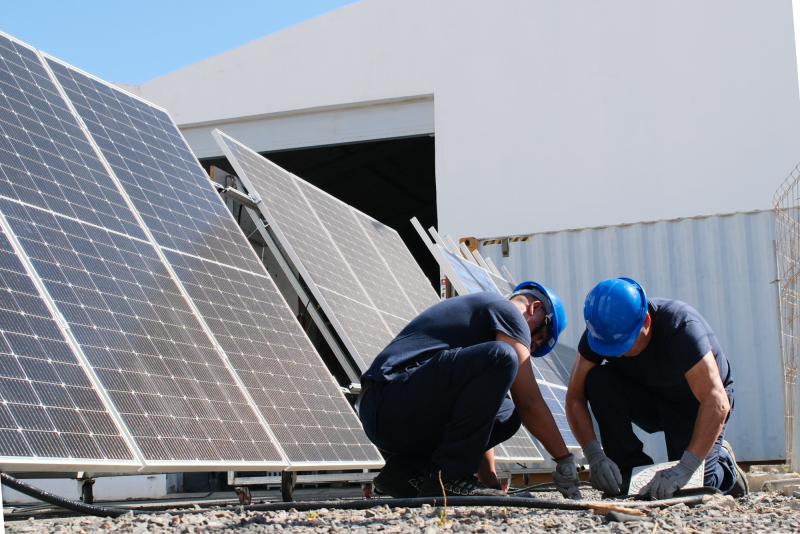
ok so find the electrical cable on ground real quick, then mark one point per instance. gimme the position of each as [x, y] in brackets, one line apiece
[363, 504]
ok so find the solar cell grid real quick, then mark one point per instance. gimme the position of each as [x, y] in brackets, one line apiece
[221, 274]
[402, 265]
[520, 448]
[371, 273]
[313, 253]
[49, 409]
[145, 346]
[124, 310]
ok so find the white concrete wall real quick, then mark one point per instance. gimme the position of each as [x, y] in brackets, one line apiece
[601, 112]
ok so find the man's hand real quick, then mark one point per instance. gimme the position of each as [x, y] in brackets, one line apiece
[604, 474]
[566, 478]
[667, 481]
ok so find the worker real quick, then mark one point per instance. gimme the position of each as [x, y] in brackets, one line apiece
[435, 402]
[656, 363]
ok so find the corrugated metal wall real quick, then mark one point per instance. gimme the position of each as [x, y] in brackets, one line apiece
[723, 265]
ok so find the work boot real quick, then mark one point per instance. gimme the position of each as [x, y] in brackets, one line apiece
[459, 487]
[398, 479]
[740, 486]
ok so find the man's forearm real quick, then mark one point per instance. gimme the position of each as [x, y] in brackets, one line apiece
[710, 419]
[540, 422]
[580, 421]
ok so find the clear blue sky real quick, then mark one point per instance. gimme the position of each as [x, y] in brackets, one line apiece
[133, 41]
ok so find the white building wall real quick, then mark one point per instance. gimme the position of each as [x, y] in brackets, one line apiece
[600, 112]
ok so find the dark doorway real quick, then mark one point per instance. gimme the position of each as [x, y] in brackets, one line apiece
[391, 181]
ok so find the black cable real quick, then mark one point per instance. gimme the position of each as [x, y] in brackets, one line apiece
[542, 488]
[363, 504]
[75, 506]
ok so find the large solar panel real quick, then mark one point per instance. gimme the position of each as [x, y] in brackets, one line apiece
[127, 316]
[358, 269]
[50, 413]
[227, 284]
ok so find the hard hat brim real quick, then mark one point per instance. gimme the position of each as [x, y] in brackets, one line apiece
[613, 349]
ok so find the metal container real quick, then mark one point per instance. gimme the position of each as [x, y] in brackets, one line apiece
[722, 265]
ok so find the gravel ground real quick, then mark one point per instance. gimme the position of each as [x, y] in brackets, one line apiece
[759, 512]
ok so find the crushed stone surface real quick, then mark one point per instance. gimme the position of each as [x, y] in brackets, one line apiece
[758, 513]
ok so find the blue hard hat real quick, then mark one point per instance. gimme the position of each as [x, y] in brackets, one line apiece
[553, 308]
[614, 311]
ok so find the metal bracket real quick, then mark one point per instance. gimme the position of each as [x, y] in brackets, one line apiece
[242, 198]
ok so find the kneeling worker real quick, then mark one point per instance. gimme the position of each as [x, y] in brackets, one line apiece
[436, 397]
[665, 371]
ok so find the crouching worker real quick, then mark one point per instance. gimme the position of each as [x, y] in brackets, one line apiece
[665, 371]
[436, 399]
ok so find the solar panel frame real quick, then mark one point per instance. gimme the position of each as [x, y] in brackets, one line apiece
[78, 224]
[75, 379]
[64, 463]
[350, 443]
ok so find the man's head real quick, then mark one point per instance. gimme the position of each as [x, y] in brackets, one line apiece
[544, 313]
[617, 319]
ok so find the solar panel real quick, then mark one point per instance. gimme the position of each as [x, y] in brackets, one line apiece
[471, 276]
[226, 282]
[50, 415]
[555, 397]
[358, 269]
[149, 354]
[519, 448]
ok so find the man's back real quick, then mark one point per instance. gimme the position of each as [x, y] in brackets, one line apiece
[453, 323]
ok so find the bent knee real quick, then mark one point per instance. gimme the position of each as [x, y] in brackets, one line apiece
[504, 356]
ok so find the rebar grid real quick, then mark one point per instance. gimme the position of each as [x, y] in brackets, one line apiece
[787, 239]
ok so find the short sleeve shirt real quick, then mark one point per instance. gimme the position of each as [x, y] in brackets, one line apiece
[681, 337]
[454, 323]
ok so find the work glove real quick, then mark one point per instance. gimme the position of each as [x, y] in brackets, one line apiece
[604, 474]
[667, 481]
[566, 478]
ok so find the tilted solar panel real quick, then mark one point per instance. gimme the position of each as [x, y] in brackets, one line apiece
[368, 296]
[226, 282]
[159, 369]
[473, 277]
[401, 263]
[51, 414]
[519, 448]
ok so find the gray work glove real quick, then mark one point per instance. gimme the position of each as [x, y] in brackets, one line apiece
[566, 478]
[604, 474]
[667, 481]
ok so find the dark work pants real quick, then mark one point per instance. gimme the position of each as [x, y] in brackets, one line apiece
[444, 414]
[617, 401]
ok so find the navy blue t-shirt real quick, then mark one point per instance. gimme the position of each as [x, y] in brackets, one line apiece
[681, 337]
[450, 324]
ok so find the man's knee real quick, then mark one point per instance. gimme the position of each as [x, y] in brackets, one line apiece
[503, 357]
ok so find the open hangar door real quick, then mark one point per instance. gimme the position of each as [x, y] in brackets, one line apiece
[390, 180]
